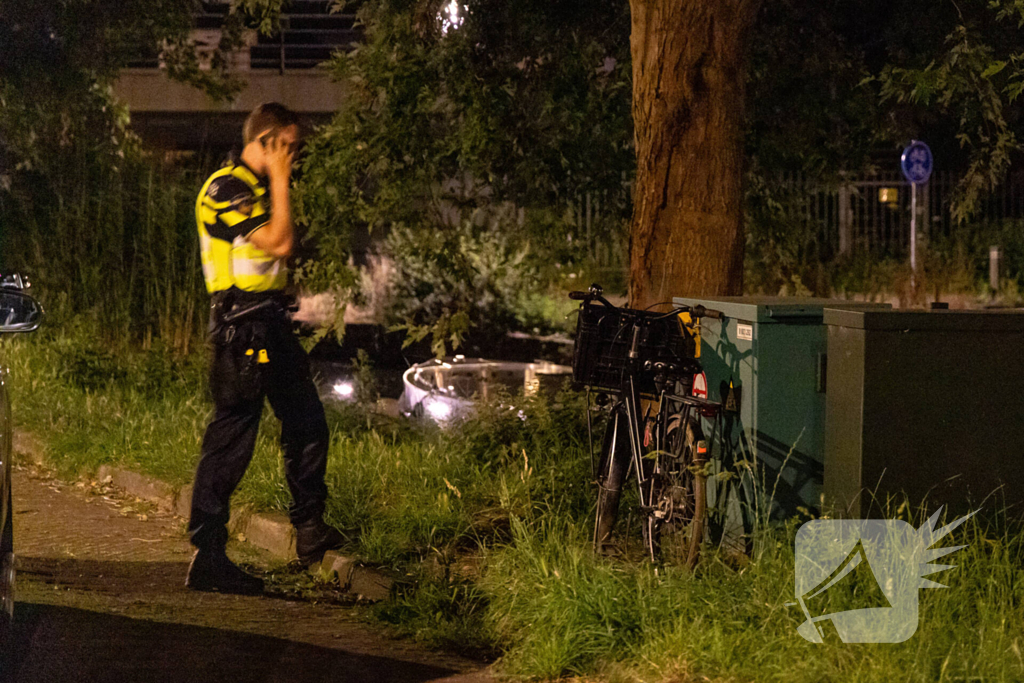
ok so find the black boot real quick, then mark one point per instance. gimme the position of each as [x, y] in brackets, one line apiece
[211, 570]
[313, 539]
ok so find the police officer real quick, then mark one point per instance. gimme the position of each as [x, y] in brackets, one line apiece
[246, 235]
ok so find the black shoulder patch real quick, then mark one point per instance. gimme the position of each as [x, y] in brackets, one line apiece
[228, 188]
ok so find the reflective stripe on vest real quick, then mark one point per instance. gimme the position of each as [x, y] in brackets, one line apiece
[236, 263]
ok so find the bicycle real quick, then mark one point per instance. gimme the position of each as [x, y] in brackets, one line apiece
[644, 365]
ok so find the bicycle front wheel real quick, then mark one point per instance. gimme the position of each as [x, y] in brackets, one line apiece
[610, 475]
[679, 499]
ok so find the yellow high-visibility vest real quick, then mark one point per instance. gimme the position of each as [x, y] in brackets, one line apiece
[231, 206]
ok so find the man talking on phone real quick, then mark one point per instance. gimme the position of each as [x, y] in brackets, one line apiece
[246, 235]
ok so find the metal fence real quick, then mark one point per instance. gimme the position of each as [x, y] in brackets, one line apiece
[598, 220]
[872, 212]
[869, 213]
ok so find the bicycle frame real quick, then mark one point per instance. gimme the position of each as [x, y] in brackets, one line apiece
[615, 467]
[615, 470]
[631, 400]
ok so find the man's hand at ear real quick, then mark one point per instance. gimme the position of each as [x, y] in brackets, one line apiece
[276, 236]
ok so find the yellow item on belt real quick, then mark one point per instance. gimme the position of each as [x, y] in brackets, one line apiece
[261, 358]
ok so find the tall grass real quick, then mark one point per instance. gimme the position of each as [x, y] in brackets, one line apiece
[490, 519]
[115, 242]
[557, 610]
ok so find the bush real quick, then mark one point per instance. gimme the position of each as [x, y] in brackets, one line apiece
[447, 280]
[784, 252]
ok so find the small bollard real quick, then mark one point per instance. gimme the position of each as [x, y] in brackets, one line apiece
[993, 268]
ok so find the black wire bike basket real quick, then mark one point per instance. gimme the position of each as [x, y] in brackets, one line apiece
[604, 336]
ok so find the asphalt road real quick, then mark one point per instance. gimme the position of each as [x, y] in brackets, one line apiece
[101, 597]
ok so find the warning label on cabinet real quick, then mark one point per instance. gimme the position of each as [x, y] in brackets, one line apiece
[745, 332]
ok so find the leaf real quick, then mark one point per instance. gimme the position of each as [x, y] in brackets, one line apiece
[993, 69]
[1013, 90]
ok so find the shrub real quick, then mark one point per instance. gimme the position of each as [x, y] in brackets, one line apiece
[447, 280]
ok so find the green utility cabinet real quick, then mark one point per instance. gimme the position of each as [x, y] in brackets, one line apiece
[926, 406]
[773, 350]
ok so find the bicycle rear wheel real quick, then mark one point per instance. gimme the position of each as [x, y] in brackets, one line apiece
[679, 495]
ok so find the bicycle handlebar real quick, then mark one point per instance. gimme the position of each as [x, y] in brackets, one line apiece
[595, 294]
[700, 312]
[697, 311]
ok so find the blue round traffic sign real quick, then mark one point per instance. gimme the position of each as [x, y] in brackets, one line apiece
[916, 162]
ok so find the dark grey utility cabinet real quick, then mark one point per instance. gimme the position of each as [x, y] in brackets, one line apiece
[927, 404]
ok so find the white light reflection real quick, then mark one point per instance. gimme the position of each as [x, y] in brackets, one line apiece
[438, 410]
[450, 16]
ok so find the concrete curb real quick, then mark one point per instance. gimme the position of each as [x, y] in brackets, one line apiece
[161, 494]
[271, 531]
[365, 583]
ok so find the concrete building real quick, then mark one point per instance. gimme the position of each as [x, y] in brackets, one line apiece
[284, 67]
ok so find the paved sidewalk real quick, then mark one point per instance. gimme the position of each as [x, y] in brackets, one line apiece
[101, 597]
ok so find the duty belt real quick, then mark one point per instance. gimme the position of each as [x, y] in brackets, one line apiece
[231, 308]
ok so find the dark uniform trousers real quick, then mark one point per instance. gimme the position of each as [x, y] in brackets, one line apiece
[239, 385]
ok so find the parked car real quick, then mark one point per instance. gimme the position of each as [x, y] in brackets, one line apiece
[19, 312]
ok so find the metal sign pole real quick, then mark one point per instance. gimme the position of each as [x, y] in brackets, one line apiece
[916, 164]
[913, 233]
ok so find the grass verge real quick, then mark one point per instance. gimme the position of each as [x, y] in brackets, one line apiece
[490, 518]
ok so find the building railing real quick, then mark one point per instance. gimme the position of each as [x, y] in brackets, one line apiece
[310, 34]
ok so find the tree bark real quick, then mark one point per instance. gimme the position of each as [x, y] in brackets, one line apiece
[689, 59]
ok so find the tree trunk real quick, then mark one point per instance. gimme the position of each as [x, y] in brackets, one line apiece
[686, 236]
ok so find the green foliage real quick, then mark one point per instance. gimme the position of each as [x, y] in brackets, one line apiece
[115, 242]
[214, 78]
[558, 610]
[521, 110]
[366, 392]
[98, 224]
[866, 274]
[443, 612]
[90, 369]
[785, 251]
[967, 251]
[529, 99]
[976, 80]
[956, 265]
[93, 406]
[265, 14]
[60, 60]
[806, 107]
[450, 279]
